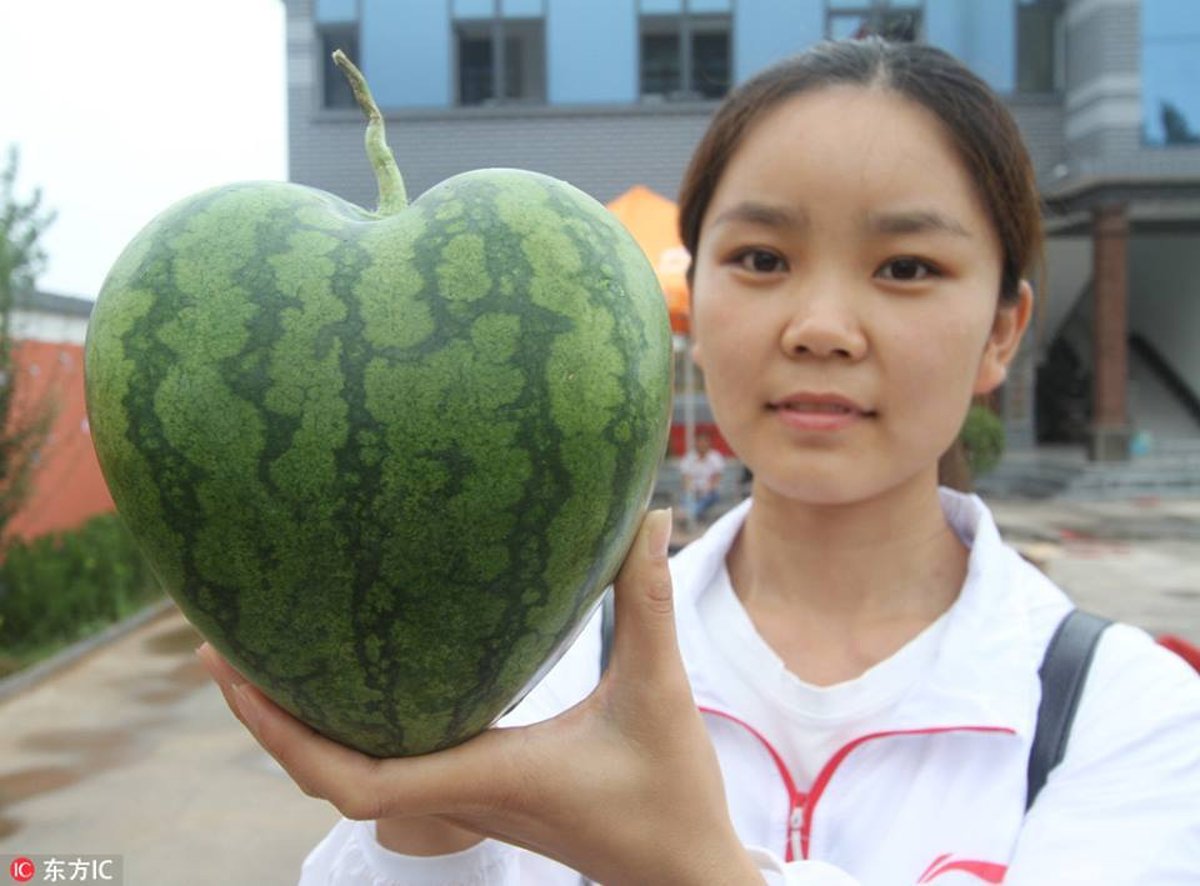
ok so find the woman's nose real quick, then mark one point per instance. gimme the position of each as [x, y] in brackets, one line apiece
[824, 326]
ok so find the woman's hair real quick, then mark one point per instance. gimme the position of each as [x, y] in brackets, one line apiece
[980, 127]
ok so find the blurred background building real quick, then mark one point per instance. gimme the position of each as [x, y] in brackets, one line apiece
[66, 487]
[612, 94]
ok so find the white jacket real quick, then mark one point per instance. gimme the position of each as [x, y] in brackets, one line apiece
[922, 785]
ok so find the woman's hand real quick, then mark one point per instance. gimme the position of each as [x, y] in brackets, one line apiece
[624, 787]
[410, 835]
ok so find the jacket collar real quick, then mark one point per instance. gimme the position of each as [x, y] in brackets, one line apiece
[985, 673]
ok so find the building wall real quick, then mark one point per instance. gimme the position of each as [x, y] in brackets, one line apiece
[767, 30]
[67, 486]
[981, 33]
[1103, 99]
[37, 324]
[591, 52]
[602, 153]
[592, 132]
[404, 47]
[1165, 305]
[1103, 94]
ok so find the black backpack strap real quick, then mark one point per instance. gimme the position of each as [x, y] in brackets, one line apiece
[607, 617]
[1063, 673]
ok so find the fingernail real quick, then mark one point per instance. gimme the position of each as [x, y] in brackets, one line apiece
[659, 532]
[202, 653]
[247, 704]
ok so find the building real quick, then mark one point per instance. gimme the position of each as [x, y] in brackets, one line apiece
[67, 487]
[611, 93]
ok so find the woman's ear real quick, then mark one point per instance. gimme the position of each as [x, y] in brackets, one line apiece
[1012, 318]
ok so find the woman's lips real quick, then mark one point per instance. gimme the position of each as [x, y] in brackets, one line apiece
[819, 412]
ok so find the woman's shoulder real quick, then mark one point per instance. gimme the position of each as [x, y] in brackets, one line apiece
[1140, 706]
[1130, 660]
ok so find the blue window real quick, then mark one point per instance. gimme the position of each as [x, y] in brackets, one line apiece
[501, 57]
[1170, 72]
[685, 56]
[335, 88]
[1039, 46]
[337, 28]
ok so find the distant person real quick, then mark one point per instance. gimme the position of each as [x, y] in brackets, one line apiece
[701, 469]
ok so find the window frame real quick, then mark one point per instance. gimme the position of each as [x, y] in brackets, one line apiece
[684, 26]
[1058, 47]
[331, 78]
[499, 30]
[1146, 44]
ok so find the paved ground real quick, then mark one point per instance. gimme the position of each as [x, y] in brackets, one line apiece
[131, 751]
[1136, 561]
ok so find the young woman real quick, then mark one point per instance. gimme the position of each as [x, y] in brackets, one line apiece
[839, 682]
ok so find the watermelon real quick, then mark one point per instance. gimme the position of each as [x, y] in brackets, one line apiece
[385, 462]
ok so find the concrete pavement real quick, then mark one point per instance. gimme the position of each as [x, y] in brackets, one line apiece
[131, 750]
[1136, 560]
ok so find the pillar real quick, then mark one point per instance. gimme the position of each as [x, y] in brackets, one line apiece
[1110, 431]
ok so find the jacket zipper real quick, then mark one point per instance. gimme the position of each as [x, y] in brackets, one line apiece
[801, 805]
[795, 829]
[797, 801]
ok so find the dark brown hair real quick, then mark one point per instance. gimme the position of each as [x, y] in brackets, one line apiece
[980, 126]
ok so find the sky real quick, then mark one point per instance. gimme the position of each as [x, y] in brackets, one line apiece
[121, 107]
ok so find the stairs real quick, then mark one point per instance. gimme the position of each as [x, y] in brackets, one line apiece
[1171, 468]
[1163, 410]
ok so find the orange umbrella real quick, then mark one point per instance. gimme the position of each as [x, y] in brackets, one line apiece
[654, 220]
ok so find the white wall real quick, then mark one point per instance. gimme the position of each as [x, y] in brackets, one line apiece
[47, 327]
[1164, 305]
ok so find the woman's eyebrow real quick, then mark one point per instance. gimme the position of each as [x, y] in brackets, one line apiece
[918, 221]
[773, 216]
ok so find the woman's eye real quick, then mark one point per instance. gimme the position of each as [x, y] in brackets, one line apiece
[907, 268]
[759, 261]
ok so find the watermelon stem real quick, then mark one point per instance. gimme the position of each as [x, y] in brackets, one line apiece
[392, 195]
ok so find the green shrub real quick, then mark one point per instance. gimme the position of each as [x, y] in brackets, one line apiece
[65, 585]
[983, 438]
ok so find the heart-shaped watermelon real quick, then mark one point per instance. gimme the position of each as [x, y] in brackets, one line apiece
[385, 462]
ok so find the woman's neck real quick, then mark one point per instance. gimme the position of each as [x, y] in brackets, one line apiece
[836, 589]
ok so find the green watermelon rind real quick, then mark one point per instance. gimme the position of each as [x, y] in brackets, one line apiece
[342, 439]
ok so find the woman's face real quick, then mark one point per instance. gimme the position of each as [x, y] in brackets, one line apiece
[845, 296]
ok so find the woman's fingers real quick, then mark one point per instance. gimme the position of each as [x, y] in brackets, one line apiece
[644, 642]
[223, 674]
[359, 785]
[218, 668]
[500, 773]
[317, 764]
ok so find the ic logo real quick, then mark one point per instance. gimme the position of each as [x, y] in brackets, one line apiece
[22, 869]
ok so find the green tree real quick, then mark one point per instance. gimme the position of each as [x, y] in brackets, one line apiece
[983, 438]
[23, 430]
